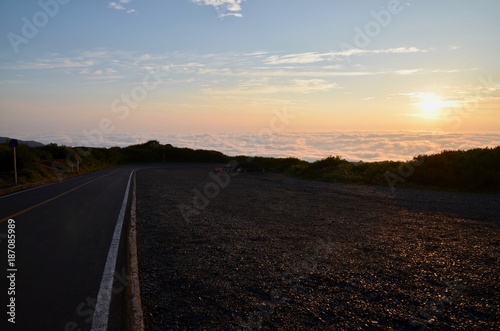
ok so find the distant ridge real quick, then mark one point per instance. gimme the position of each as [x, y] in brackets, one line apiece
[30, 143]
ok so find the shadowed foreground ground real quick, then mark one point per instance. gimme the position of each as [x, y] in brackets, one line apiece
[273, 252]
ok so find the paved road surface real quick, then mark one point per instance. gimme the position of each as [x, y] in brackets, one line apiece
[62, 243]
[63, 235]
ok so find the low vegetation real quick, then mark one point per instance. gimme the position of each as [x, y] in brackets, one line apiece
[472, 170]
[53, 162]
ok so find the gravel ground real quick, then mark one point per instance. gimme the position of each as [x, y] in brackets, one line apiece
[270, 252]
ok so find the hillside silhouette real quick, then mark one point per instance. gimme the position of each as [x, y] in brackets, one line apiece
[472, 170]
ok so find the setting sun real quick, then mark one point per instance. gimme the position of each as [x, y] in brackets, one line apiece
[431, 105]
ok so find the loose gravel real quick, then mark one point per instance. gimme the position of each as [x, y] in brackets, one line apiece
[270, 252]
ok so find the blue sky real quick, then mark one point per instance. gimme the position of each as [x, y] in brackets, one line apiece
[212, 66]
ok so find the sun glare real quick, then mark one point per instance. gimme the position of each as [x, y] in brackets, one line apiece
[431, 105]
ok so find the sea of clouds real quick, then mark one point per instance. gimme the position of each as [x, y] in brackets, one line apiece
[353, 146]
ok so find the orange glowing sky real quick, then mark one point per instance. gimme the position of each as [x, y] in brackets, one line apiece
[208, 66]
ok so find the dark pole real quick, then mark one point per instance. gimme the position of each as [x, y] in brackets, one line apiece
[15, 165]
[13, 143]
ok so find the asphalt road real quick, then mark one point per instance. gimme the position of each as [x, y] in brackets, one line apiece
[63, 233]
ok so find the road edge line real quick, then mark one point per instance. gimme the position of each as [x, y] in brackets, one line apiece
[101, 312]
[134, 306]
[48, 200]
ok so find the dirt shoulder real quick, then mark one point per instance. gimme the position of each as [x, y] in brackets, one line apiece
[266, 251]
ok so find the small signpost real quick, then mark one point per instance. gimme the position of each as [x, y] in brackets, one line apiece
[14, 143]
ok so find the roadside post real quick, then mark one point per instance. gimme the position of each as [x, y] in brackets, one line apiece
[14, 143]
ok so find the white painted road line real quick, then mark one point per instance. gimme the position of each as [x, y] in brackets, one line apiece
[101, 313]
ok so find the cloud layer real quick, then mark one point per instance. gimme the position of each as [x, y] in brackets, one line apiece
[353, 146]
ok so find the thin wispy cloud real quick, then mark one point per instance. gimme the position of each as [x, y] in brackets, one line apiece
[313, 57]
[408, 71]
[286, 73]
[225, 63]
[121, 6]
[269, 86]
[89, 60]
[224, 8]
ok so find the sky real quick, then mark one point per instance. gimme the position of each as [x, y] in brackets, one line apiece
[95, 69]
